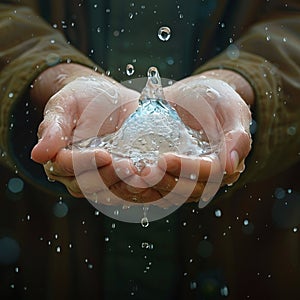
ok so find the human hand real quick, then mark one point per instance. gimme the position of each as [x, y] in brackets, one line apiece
[84, 104]
[222, 114]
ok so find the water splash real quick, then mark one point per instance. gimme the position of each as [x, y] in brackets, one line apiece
[153, 129]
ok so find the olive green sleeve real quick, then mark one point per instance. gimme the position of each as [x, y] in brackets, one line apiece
[28, 45]
[268, 57]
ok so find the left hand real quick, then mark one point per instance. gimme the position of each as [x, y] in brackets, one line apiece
[218, 104]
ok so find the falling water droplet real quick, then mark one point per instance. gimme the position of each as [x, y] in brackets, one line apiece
[144, 222]
[129, 69]
[218, 213]
[164, 33]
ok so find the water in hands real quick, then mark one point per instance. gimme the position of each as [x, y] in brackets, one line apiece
[153, 129]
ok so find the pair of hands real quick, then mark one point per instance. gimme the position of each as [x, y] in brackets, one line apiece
[80, 103]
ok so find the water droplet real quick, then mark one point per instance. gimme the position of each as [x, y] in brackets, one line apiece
[164, 33]
[130, 15]
[246, 222]
[52, 59]
[144, 222]
[224, 291]
[106, 239]
[193, 176]
[233, 51]
[212, 93]
[10, 95]
[291, 130]
[146, 245]
[295, 229]
[58, 249]
[116, 33]
[193, 285]
[218, 213]
[129, 69]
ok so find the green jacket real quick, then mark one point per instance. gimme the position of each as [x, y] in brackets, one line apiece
[251, 249]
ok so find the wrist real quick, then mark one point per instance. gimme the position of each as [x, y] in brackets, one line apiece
[236, 81]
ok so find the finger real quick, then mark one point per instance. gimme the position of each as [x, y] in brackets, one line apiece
[238, 146]
[146, 195]
[52, 140]
[54, 133]
[69, 162]
[104, 197]
[200, 168]
[230, 179]
[121, 170]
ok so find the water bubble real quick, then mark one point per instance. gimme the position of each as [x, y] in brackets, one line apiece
[295, 229]
[15, 185]
[233, 51]
[9, 250]
[130, 15]
[129, 69]
[170, 61]
[58, 249]
[291, 130]
[279, 193]
[144, 222]
[60, 209]
[10, 95]
[164, 33]
[116, 33]
[246, 222]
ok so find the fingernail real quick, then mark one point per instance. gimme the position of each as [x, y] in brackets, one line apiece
[234, 159]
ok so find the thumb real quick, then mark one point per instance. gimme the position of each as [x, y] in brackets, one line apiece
[54, 134]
